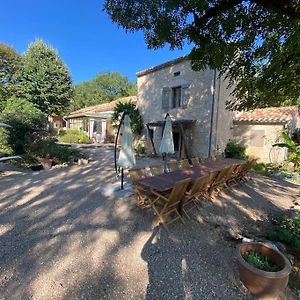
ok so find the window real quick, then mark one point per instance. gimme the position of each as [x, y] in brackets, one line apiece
[176, 74]
[176, 97]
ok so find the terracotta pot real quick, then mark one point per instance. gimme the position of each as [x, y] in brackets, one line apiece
[268, 285]
[47, 164]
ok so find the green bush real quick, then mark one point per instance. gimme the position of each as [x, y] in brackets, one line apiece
[49, 149]
[73, 136]
[287, 230]
[140, 149]
[294, 150]
[260, 261]
[235, 150]
[28, 124]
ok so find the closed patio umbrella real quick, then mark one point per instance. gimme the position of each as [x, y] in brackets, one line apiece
[126, 155]
[167, 143]
[4, 125]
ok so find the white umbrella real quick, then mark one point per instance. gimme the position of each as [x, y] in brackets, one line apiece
[167, 143]
[4, 125]
[126, 155]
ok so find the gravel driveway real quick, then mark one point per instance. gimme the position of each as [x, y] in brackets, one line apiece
[61, 238]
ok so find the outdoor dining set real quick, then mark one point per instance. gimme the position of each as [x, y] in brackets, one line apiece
[173, 194]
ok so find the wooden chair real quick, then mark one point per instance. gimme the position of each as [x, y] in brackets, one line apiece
[244, 169]
[167, 207]
[198, 191]
[207, 160]
[184, 164]
[221, 180]
[195, 161]
[173, 166]
[234, 175]
[141, 193]
[156, 170]
[142, 172]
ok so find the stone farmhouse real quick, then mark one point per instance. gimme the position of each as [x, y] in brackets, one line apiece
[202, 126]
[196, 103]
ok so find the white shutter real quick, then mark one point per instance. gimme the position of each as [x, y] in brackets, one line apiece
[165, 104]
[185, 95]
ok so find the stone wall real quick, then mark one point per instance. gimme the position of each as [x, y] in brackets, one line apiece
[199, 88]
[259, 138]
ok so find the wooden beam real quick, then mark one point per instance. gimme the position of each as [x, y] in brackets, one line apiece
[152, 143]
[184, 142]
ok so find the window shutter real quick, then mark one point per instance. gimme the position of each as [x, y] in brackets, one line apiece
[166, 92]
[185, 95]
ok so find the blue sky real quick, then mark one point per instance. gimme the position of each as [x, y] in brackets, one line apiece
[87, 40]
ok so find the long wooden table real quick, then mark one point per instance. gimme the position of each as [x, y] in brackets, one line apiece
[166, 182]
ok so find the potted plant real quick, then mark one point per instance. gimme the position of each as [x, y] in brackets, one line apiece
[263, 270]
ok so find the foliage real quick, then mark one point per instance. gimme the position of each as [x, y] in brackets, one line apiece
[49, 149]
[261, 261]
[73, 136]
[134, 114]
[44, 79]
[235, 150]
[256, 44]
[9, 64]
[27, 122]
[282, 172]
[294, 150]
[287, 230]
[140, 149]
[105, 87]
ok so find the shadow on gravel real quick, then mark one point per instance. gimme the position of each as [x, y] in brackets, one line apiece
[61, 238]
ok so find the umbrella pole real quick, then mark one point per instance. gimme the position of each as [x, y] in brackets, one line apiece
[122, 178]
[164, 156]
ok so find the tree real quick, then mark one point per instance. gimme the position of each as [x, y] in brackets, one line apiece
[137, 124]
[105, 87]
[44, 79]
[9, 64]
[255, 43]
[28, 124]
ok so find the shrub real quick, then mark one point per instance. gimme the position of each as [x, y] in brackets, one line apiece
[73, 136]
[287, 230]
[235, 150]
[28, 124]
[49, 149]
[137, 124]
[294, 150]
[140, 149]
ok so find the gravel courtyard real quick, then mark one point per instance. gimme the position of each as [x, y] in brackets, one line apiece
[64, 236]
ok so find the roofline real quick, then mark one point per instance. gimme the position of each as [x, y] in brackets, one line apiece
[262, 122]
[89, 115]
[163, 65]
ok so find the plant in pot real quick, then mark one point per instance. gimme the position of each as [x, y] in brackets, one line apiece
[263, 270]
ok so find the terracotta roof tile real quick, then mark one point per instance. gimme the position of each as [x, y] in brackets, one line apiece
[269, 114]
[101, 108]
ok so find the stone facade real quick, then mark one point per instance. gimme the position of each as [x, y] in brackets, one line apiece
[202, 99]
[259, 138]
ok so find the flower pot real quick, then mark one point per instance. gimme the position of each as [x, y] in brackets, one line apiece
[262, 284]
[47, 164]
